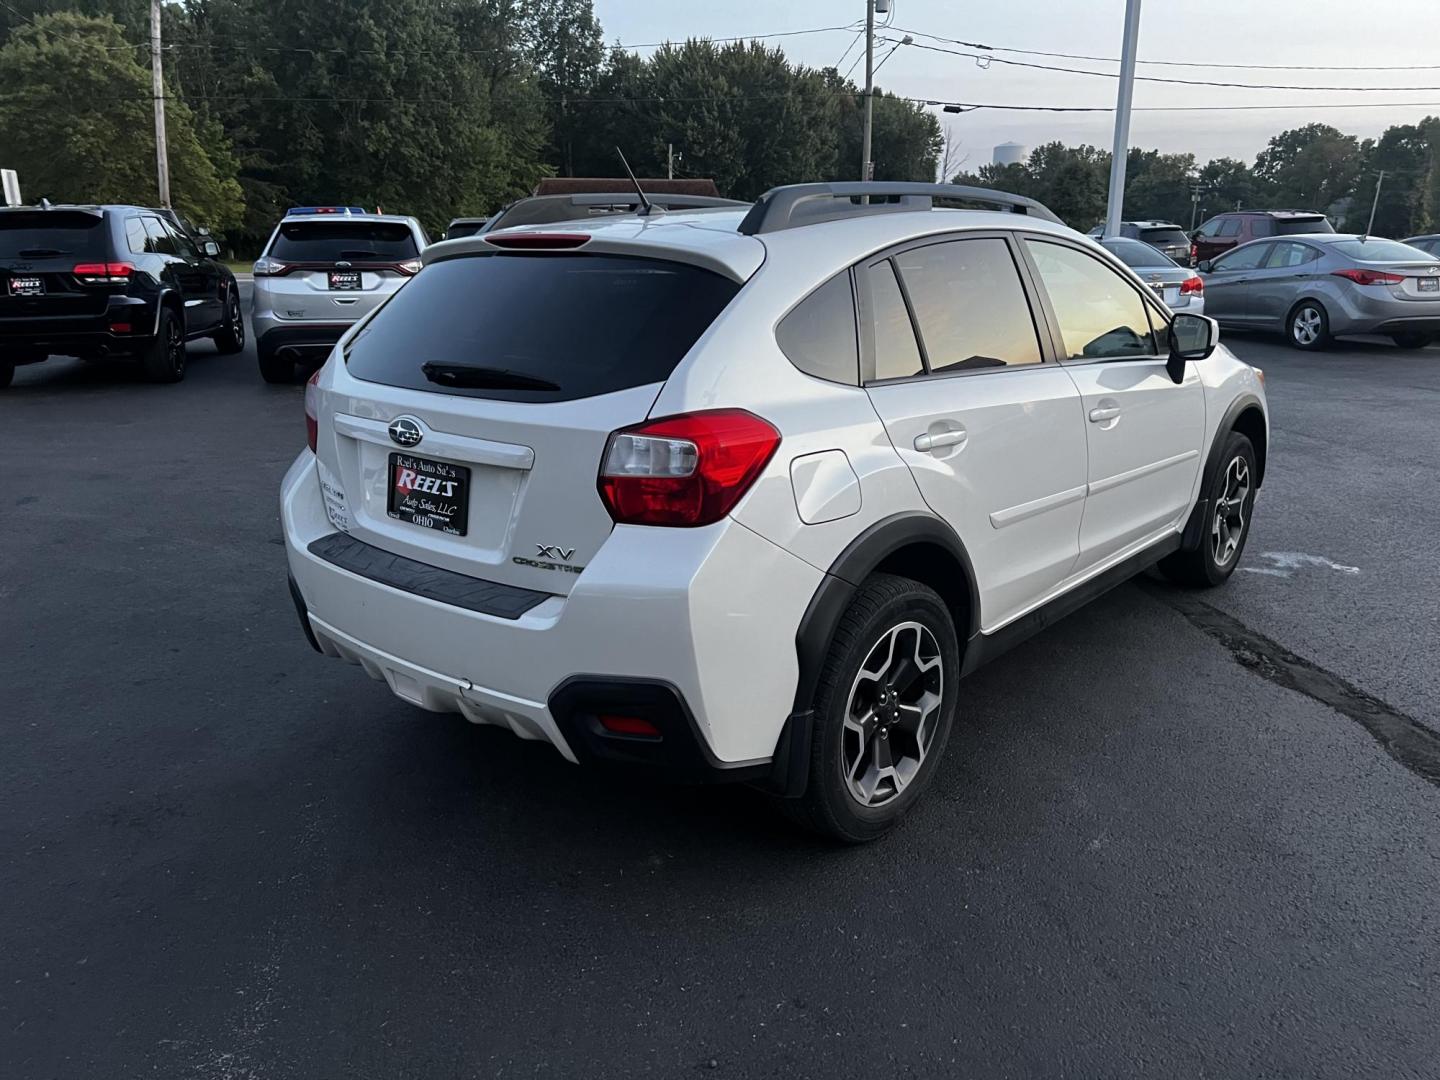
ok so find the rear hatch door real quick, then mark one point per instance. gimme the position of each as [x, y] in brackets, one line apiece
[337, 269]
[468, 421]
[39, 250]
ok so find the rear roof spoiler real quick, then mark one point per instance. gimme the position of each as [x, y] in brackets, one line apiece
[795, 204]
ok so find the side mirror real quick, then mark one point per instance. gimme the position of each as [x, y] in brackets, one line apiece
[211, 249]
[1203, 266]
[1191, 337]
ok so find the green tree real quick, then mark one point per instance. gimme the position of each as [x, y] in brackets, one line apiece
[76, 118]
[1310, 167]
[905, 141]
[1157, 186]
[565, 50]
[1226, 183]
[1403, 153]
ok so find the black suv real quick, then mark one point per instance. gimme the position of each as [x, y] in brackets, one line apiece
[110, 281]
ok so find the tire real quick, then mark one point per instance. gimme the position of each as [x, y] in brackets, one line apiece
[1411, 341]
[1308, 326]
[275, 369]
[7, 373]
[230, 338]
[163, 360]
[1222, 542]
[888, 618]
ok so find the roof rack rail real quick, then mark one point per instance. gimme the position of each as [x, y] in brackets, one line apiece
[777, 208]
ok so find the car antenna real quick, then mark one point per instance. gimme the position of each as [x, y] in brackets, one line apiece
[647, 208]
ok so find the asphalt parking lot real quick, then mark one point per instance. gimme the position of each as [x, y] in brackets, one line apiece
[1177, 835]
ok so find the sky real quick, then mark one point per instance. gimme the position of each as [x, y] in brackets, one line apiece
[1354, 33]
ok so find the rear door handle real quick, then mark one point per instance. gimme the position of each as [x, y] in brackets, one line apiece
[927, 442]
[1109, 412]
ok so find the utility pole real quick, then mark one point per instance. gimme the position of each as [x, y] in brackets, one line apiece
[1115, 205]
[867, 167]
[1378, 181]
[157, 88]
[1194, 204]
[670, 161]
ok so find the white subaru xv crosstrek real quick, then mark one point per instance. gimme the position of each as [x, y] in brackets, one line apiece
[742, 496]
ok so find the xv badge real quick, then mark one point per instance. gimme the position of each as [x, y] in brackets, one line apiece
[550, 551]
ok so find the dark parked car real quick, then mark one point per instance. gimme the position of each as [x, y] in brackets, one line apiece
[1164, 236]
[110, 282]
[464, 226]
[1225, 231]
[1429, 243]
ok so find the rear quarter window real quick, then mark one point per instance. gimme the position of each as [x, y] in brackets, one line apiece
[354, 241]
[818, 336]
[1295, 226]
[531, 327]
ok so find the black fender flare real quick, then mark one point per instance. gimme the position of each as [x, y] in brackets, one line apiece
[1195, 524]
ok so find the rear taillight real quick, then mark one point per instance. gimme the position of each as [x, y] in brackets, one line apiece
[1370, 277]
[1193, 286]
[268, 267]
[684, 470]
[312, 409]
[1194, 254]
[103, 273]
[409, 266]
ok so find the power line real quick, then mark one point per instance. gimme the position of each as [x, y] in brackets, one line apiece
[962, 106]
[989, 59]
[1173, 63]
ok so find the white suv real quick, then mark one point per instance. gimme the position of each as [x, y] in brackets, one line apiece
[743, 496]
[323, 269]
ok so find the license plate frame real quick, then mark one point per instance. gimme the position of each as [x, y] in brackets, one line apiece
[344, 280]
[435, 495]
[1427, 284]
[27, 285]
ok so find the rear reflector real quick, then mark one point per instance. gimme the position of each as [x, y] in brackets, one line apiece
[1369, 277]
[120, 327]
[538, 241]
[684, 470]
[312, 409]
[629, 725]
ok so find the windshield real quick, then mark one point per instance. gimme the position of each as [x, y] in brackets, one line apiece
[1376, 250]
[329, 241]
[1296, 226]
[1170, 236]
[539, 327]
[1135, 253]
[51, 233]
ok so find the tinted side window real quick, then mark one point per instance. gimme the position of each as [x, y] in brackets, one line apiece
[158, 241]
[897, 356]
[1243, 258]
[1229, 227]
[1289, 253]
[1210, 228]
[819, 334]
[135, 235]
[183, 244]
[1262, 226]
[1101, 316]
[969, 305]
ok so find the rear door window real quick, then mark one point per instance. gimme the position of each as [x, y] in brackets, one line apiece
[1288, 253]
[341, 240]
[160, 240]
[969, 305]
[1295, 226]
[44, 234]
[818, 335]
[522, 327]
[887, 325]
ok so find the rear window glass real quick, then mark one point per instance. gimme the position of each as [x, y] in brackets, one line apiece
[1376, 250]
[355, 241]
[51, 234]
[1293, 226]
[539, 327]
[1164, 236]
[1134, 253]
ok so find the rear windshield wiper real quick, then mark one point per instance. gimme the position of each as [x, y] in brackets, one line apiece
[470, 377]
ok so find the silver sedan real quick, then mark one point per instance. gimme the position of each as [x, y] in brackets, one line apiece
[1179, 286]
[1318, 285]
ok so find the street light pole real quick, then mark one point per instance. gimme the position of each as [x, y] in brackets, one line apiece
[1115, 204]
[866, 168]
[157, 89]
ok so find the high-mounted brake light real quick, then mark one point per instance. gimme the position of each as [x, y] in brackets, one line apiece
[684, 470]
[1193, 286]
[1369, 277]
[103, 273]
[535, 241]
[312, 409]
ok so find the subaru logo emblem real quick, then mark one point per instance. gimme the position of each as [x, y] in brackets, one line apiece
[405, 431]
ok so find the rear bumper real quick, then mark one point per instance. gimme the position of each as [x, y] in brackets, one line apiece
[306, 341]
[83, 335]
[693, 629]
[1355, 313]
